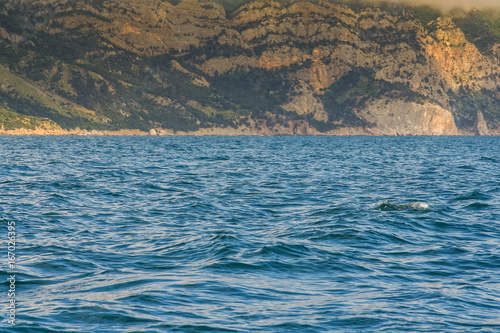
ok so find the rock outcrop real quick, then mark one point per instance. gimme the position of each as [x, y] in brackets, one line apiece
[408, 118]
[481, 125]
[302, 101]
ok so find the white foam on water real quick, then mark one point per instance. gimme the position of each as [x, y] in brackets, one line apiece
[419, 205]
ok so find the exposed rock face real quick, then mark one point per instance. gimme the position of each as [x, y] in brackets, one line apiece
[303, 102]
[459, 62]
[153, 27]
[481, 126]
[270, 67]
[409, 118]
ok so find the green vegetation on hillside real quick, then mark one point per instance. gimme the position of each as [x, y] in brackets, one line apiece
[11, 120]
[481, 27]
[426, 15]
[26, 98]
[231, 5]
[256, 90]
[468, 102]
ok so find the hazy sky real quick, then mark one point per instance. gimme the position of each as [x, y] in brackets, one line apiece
[456, 3]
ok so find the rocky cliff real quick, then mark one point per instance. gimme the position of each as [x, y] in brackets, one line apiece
[250, 67]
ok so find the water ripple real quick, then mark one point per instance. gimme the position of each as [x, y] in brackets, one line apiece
[277, 234]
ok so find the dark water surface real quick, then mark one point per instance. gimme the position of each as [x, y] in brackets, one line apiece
[253, 234]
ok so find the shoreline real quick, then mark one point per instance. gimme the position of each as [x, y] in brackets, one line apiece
[224, 132]
[253, 128]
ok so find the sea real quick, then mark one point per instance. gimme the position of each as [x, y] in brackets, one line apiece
[250, 234]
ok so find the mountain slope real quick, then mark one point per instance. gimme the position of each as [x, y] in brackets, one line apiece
[259, 67]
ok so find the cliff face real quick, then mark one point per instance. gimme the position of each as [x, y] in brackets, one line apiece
[269, 67]
[404, 118]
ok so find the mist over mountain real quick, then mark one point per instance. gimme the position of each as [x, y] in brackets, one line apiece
[447, 4]
[248, 67]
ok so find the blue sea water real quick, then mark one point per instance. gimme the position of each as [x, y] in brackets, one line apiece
[252, 234]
